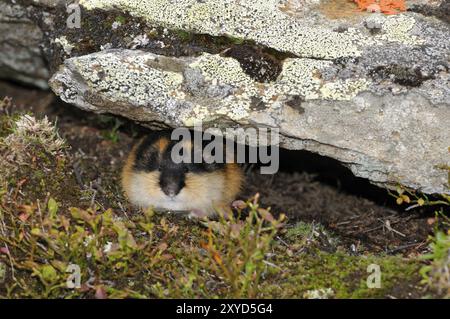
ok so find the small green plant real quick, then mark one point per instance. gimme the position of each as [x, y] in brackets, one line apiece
[121, 19]
[238, 247]
[414, 199]
[184, 35]
[113, 124]
[41, 242]
[437, 273]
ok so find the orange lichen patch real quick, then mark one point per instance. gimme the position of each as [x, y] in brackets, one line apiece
[340, 9]
[385, 6]
[392, 6]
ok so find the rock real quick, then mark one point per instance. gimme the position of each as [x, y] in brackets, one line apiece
[20, 55]
[369, 90]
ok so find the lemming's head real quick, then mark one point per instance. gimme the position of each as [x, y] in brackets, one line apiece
[155, 155]
[154, 178]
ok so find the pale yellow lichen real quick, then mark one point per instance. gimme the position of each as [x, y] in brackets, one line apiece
[128, 78]
[301, 77]
[298, 77]
[226, 90]
[225, 70]
[343, 90]
[65, 44]
[258, 20]
[397, 28]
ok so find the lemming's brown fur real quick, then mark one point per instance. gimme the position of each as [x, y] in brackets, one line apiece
[203, 191]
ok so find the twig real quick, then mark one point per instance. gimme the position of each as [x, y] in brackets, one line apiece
[268, 263]
[403, 247]
[76, 170]
[387, 223]
[3, 229]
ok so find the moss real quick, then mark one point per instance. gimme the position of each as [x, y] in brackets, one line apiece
[184, 35]
[5, 125]
[7, 120]
[121, 19]
[259, 65]
[34, 159]
[403, 75]
[344, 274]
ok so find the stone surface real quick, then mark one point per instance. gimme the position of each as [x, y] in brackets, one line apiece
[369, 90]
[390, 138]
[20, 55]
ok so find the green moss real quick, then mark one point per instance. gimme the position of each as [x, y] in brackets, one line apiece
[121, 19]
[345, 275]
[302, 230]
[7, 123]
[184, 35]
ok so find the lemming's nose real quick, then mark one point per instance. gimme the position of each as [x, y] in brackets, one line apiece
[171, 190]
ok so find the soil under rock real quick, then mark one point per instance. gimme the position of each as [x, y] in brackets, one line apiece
[361, 224]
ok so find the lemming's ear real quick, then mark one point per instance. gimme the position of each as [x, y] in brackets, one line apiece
[149, 151]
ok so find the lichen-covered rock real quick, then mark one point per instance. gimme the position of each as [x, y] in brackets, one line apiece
[369, 90]
[390, 139]
[20, 56]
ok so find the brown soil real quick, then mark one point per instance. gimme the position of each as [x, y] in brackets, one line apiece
[360, 223]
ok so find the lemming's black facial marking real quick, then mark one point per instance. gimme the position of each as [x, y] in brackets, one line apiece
[172, 175]
[151, 156]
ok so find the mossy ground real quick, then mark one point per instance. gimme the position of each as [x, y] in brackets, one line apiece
[66, 208]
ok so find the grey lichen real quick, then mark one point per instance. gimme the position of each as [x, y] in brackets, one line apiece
[130, 80]
[144, 79]
[259, 20]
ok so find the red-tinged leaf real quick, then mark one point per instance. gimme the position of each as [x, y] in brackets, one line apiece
[23, 217]
[166, 257]
[162, 246]
[4, 250]
[21, 182]
[266, 214]
[239, 204]
[217, 258]
[235, 230]
[84, 287]
[100, 293]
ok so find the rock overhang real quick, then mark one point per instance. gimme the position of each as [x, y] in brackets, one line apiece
[372, 93]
